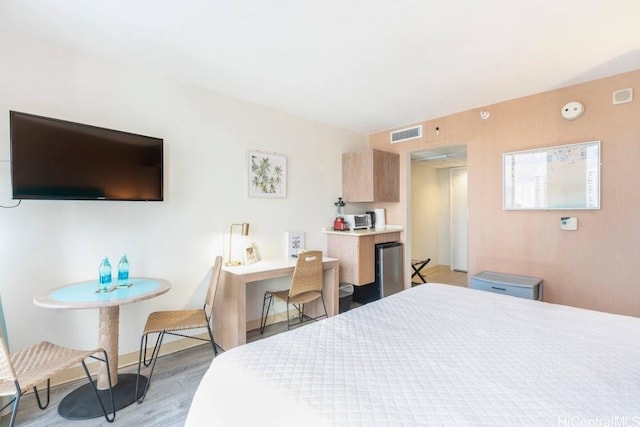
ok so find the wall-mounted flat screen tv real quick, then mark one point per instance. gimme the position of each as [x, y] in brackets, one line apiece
[53, 159]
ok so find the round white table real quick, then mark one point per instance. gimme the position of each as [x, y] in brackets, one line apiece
[80, 403]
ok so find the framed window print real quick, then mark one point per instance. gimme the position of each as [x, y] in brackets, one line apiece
[267, 175]
[559, 177]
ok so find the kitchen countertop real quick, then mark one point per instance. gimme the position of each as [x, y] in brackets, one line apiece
[366, 232]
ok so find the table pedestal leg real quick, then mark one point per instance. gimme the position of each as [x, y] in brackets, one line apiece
[81, 403]
[109, 327]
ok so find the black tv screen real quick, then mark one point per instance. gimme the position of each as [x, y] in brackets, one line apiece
[53, 159]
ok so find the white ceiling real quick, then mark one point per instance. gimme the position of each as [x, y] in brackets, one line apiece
[366, 65]
[450, 156]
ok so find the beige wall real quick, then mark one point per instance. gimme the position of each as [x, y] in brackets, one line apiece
[425, 218]
[430, 207]
[594, 267]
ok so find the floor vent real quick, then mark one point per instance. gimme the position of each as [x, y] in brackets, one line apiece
[406, 134]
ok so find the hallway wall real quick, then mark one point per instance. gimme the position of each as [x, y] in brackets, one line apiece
[425, 213]
[430, 222]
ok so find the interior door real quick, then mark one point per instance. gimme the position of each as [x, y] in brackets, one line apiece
[459, 219]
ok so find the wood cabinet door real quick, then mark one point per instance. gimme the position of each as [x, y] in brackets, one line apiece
[357, 177]
[371, 176]
[386, 176]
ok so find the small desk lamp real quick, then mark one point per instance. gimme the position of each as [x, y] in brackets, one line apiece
[245, 232]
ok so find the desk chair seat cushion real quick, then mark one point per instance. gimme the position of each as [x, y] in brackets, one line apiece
[38, 362]
[302, 298]
[175, 320]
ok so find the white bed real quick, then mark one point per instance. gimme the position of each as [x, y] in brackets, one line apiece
[433, 355]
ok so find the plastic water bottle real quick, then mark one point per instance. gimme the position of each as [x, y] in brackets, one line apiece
[123, 271]
[104, 274]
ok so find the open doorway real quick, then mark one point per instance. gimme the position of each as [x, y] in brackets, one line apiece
[438, 212]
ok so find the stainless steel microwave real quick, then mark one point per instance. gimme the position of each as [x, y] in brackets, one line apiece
[358, 221]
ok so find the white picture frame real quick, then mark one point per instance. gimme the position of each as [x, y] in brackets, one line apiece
[251, 254]
[267, 174]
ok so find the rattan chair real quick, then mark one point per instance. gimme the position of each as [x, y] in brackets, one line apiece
[172, 321]
[24, 370]
[306, 286]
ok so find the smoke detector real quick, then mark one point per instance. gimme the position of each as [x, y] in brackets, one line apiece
[572, 110]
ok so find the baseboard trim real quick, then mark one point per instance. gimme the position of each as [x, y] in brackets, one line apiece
[274, 318]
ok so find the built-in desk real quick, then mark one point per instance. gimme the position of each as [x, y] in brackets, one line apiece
[230, 304]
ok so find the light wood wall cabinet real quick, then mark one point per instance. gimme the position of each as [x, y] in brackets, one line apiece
[371, 176]
[357, 254]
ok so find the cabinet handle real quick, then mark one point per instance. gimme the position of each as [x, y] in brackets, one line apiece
[499, 289]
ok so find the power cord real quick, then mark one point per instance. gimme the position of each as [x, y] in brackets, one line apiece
[11, 207]
[19, 201]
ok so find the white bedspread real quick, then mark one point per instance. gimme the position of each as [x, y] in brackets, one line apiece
[433, 355]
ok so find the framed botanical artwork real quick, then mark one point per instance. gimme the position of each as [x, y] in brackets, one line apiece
[267, 174]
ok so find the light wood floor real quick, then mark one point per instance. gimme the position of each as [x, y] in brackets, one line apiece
[173, 384]
[442, 274]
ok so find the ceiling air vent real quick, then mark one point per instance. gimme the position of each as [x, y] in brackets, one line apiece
[406, 134]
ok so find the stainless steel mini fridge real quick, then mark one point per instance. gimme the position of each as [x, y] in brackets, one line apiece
[389, 268]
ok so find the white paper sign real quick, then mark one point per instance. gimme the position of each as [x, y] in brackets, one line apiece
[295, 243]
